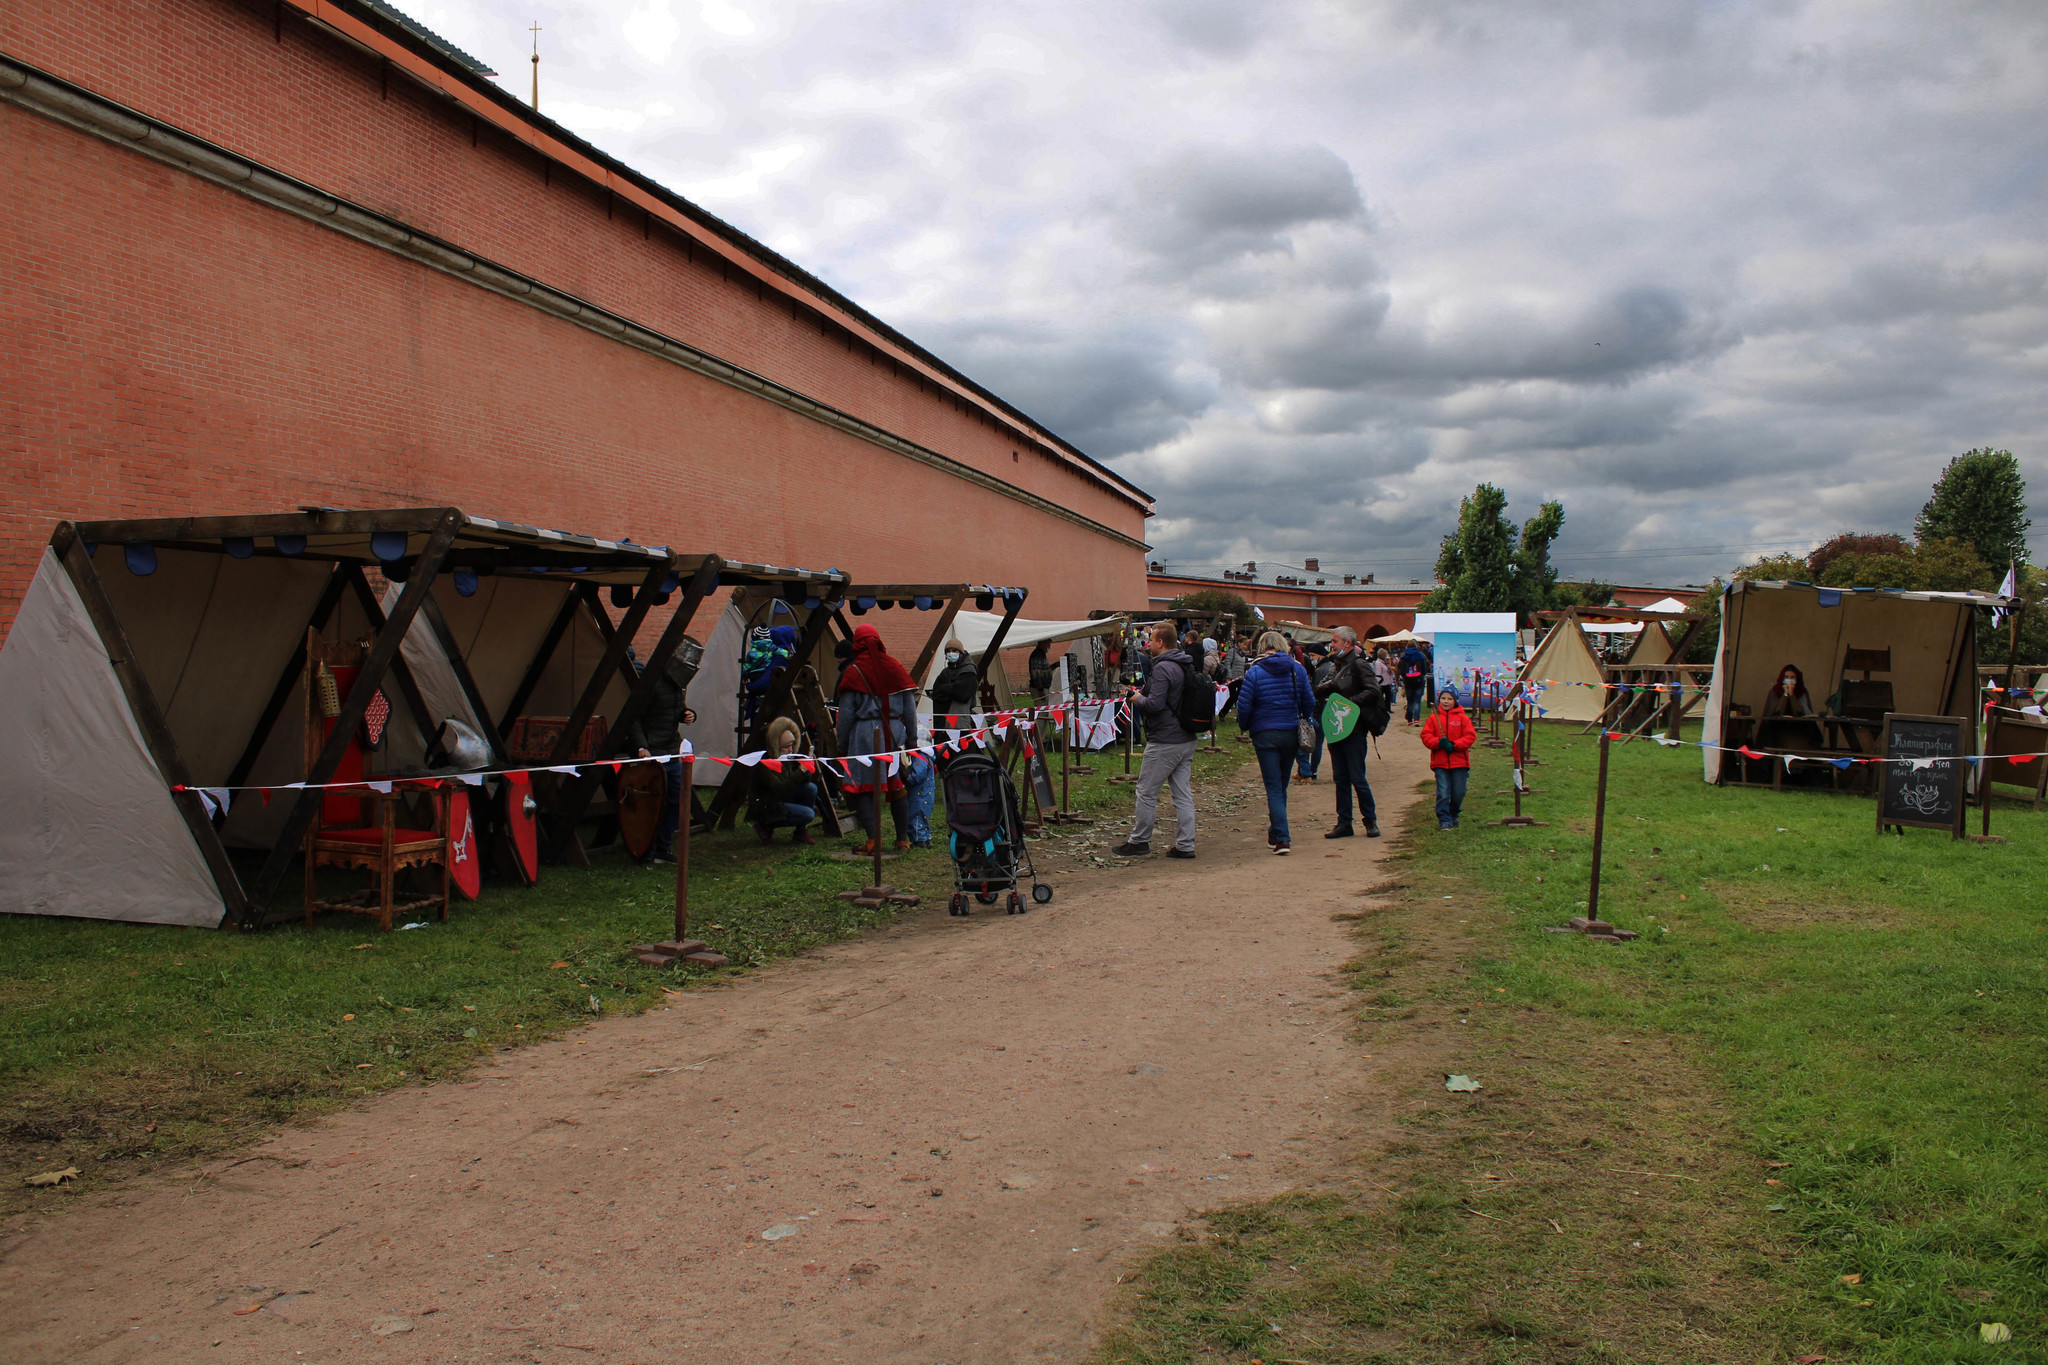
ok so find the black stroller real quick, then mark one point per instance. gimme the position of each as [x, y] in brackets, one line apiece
[985, 834]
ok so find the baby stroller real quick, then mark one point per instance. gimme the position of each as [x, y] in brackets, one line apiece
[985, 834]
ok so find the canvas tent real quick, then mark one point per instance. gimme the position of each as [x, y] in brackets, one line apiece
[1931, 639]
[1574, 675]
[154, 664]
[983, 634]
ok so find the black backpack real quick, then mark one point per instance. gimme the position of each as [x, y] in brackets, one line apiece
[1195, 707]
[1377, 715]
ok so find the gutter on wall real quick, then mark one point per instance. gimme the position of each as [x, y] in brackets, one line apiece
[52, 98]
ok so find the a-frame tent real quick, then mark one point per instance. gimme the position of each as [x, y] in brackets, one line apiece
[1575, 681]
[153, 661]
[803, 689]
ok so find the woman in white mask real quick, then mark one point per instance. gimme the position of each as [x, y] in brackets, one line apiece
[954, 691]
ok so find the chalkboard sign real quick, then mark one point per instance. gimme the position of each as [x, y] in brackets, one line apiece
[1931, 796]
[1041, 776]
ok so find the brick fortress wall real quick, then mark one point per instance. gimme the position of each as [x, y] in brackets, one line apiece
[175, 347]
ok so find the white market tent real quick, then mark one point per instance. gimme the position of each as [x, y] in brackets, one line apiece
[1566, 661]
[977, 630]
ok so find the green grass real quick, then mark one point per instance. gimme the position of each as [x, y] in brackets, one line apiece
[1868, 1011]
[123, 1046]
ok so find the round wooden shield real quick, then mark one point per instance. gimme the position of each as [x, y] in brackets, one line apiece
[643, 789]
[465, 868]
[521, 828]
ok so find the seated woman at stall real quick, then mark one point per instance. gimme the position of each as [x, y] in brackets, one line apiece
[788, 798]
[1786, 719]
[874, 680]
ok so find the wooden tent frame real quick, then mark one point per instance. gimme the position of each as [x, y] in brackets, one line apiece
[808, 693]
[819, 590]
[434, 540]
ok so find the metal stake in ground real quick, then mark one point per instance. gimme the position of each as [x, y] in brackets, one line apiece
[1599, 829]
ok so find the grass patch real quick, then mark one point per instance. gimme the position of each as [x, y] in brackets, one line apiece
[1856, 1018]
[125, 1046]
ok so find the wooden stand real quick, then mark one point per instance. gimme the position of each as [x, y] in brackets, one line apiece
[681, 948]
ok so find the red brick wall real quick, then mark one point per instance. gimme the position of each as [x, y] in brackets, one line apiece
[173, 347]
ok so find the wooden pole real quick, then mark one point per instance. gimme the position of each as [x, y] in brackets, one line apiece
[1066, 751]
[1599, 829]
[682, 848]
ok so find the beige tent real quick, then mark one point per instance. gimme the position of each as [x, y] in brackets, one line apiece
[1931, 636]
[153, 669]
[977, 629]
[1571, 672]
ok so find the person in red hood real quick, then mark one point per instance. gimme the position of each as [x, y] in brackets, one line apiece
[1449, 737]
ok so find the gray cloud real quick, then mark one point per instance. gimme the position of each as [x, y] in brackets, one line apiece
[1739, 275]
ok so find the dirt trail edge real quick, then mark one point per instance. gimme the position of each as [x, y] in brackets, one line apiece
[941, 1143]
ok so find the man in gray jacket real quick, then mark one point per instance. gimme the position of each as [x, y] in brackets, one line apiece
[1169, 748]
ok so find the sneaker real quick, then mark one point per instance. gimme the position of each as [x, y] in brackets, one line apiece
[660, 855]
[1341, 832]
[1282, 848]
[1180, 853]
[1272, 839]
[1131, 850]
[1372, 831]
[1445, 825]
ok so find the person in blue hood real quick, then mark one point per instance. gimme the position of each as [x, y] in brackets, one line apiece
[1272, 703]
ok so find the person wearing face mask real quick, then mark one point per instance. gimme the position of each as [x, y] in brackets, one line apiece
[1449, 735]
[955, 690]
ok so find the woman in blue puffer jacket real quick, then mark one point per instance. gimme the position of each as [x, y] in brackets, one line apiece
[1272, 703]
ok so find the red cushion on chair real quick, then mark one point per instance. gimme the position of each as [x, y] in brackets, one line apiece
[400, 838]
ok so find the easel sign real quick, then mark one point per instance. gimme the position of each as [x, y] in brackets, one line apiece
[1930, 796]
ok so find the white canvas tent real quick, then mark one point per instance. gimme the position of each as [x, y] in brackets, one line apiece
[976, 629]
[186, 637]
[1566, 661]
[1932, 638]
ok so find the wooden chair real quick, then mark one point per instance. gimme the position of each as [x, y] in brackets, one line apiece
[362, 830]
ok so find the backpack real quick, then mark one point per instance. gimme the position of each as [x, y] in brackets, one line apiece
[1195, 707]
[1375, 716]
[761, 654]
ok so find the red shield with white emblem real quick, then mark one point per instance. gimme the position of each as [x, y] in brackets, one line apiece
[522, 831]
[465, 868]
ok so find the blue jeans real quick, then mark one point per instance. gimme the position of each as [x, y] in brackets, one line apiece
[1347, 758]
[672, 809]
[1307, 761]
[799, 809]
[1276, 749]
[1414, 691]
[1450, 793]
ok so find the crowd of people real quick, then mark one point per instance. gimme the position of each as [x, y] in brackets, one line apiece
[1298, 703]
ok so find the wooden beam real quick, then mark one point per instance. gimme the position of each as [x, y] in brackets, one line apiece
[281, 695]
[576, 799]
[437, 622]
[413, 520]
[538, 666]
[149, 717]
[1011, 606]
[408, 686]
[608, 664]
[382, 652]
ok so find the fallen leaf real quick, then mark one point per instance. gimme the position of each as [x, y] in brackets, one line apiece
[470, 1008]
[52, 1177]
[357, 949]
[252, 1308]
[1774, 1182]
[780, 1231]
[1460, 1083]
[1852, 1279]
[346, 1018]
[364, 1066]
[1992, 1333]
[1974, 1295]
[1807, 1360]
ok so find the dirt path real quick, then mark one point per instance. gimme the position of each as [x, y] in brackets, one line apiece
[940, 1143]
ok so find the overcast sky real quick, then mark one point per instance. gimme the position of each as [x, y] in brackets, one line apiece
[1726, 278]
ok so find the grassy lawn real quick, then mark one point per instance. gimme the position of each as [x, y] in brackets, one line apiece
[1801, 1116]
[124, 1046]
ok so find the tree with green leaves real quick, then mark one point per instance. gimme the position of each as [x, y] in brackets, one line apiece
[1476, 563]
[1535, 586]
[1980, 498]
[1217, 599]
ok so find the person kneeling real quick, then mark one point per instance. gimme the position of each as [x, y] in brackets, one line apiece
[789, 797]
[1448, 734]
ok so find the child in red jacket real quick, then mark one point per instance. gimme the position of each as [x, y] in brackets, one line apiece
[1449, 737]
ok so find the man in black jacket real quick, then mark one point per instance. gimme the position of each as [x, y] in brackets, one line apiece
[1169, 748]
[1351, 676]
[956, 690]
[658, 731]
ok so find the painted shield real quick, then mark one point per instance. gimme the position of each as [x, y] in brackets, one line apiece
[522, 832]
[465, 868]
[642, 793]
